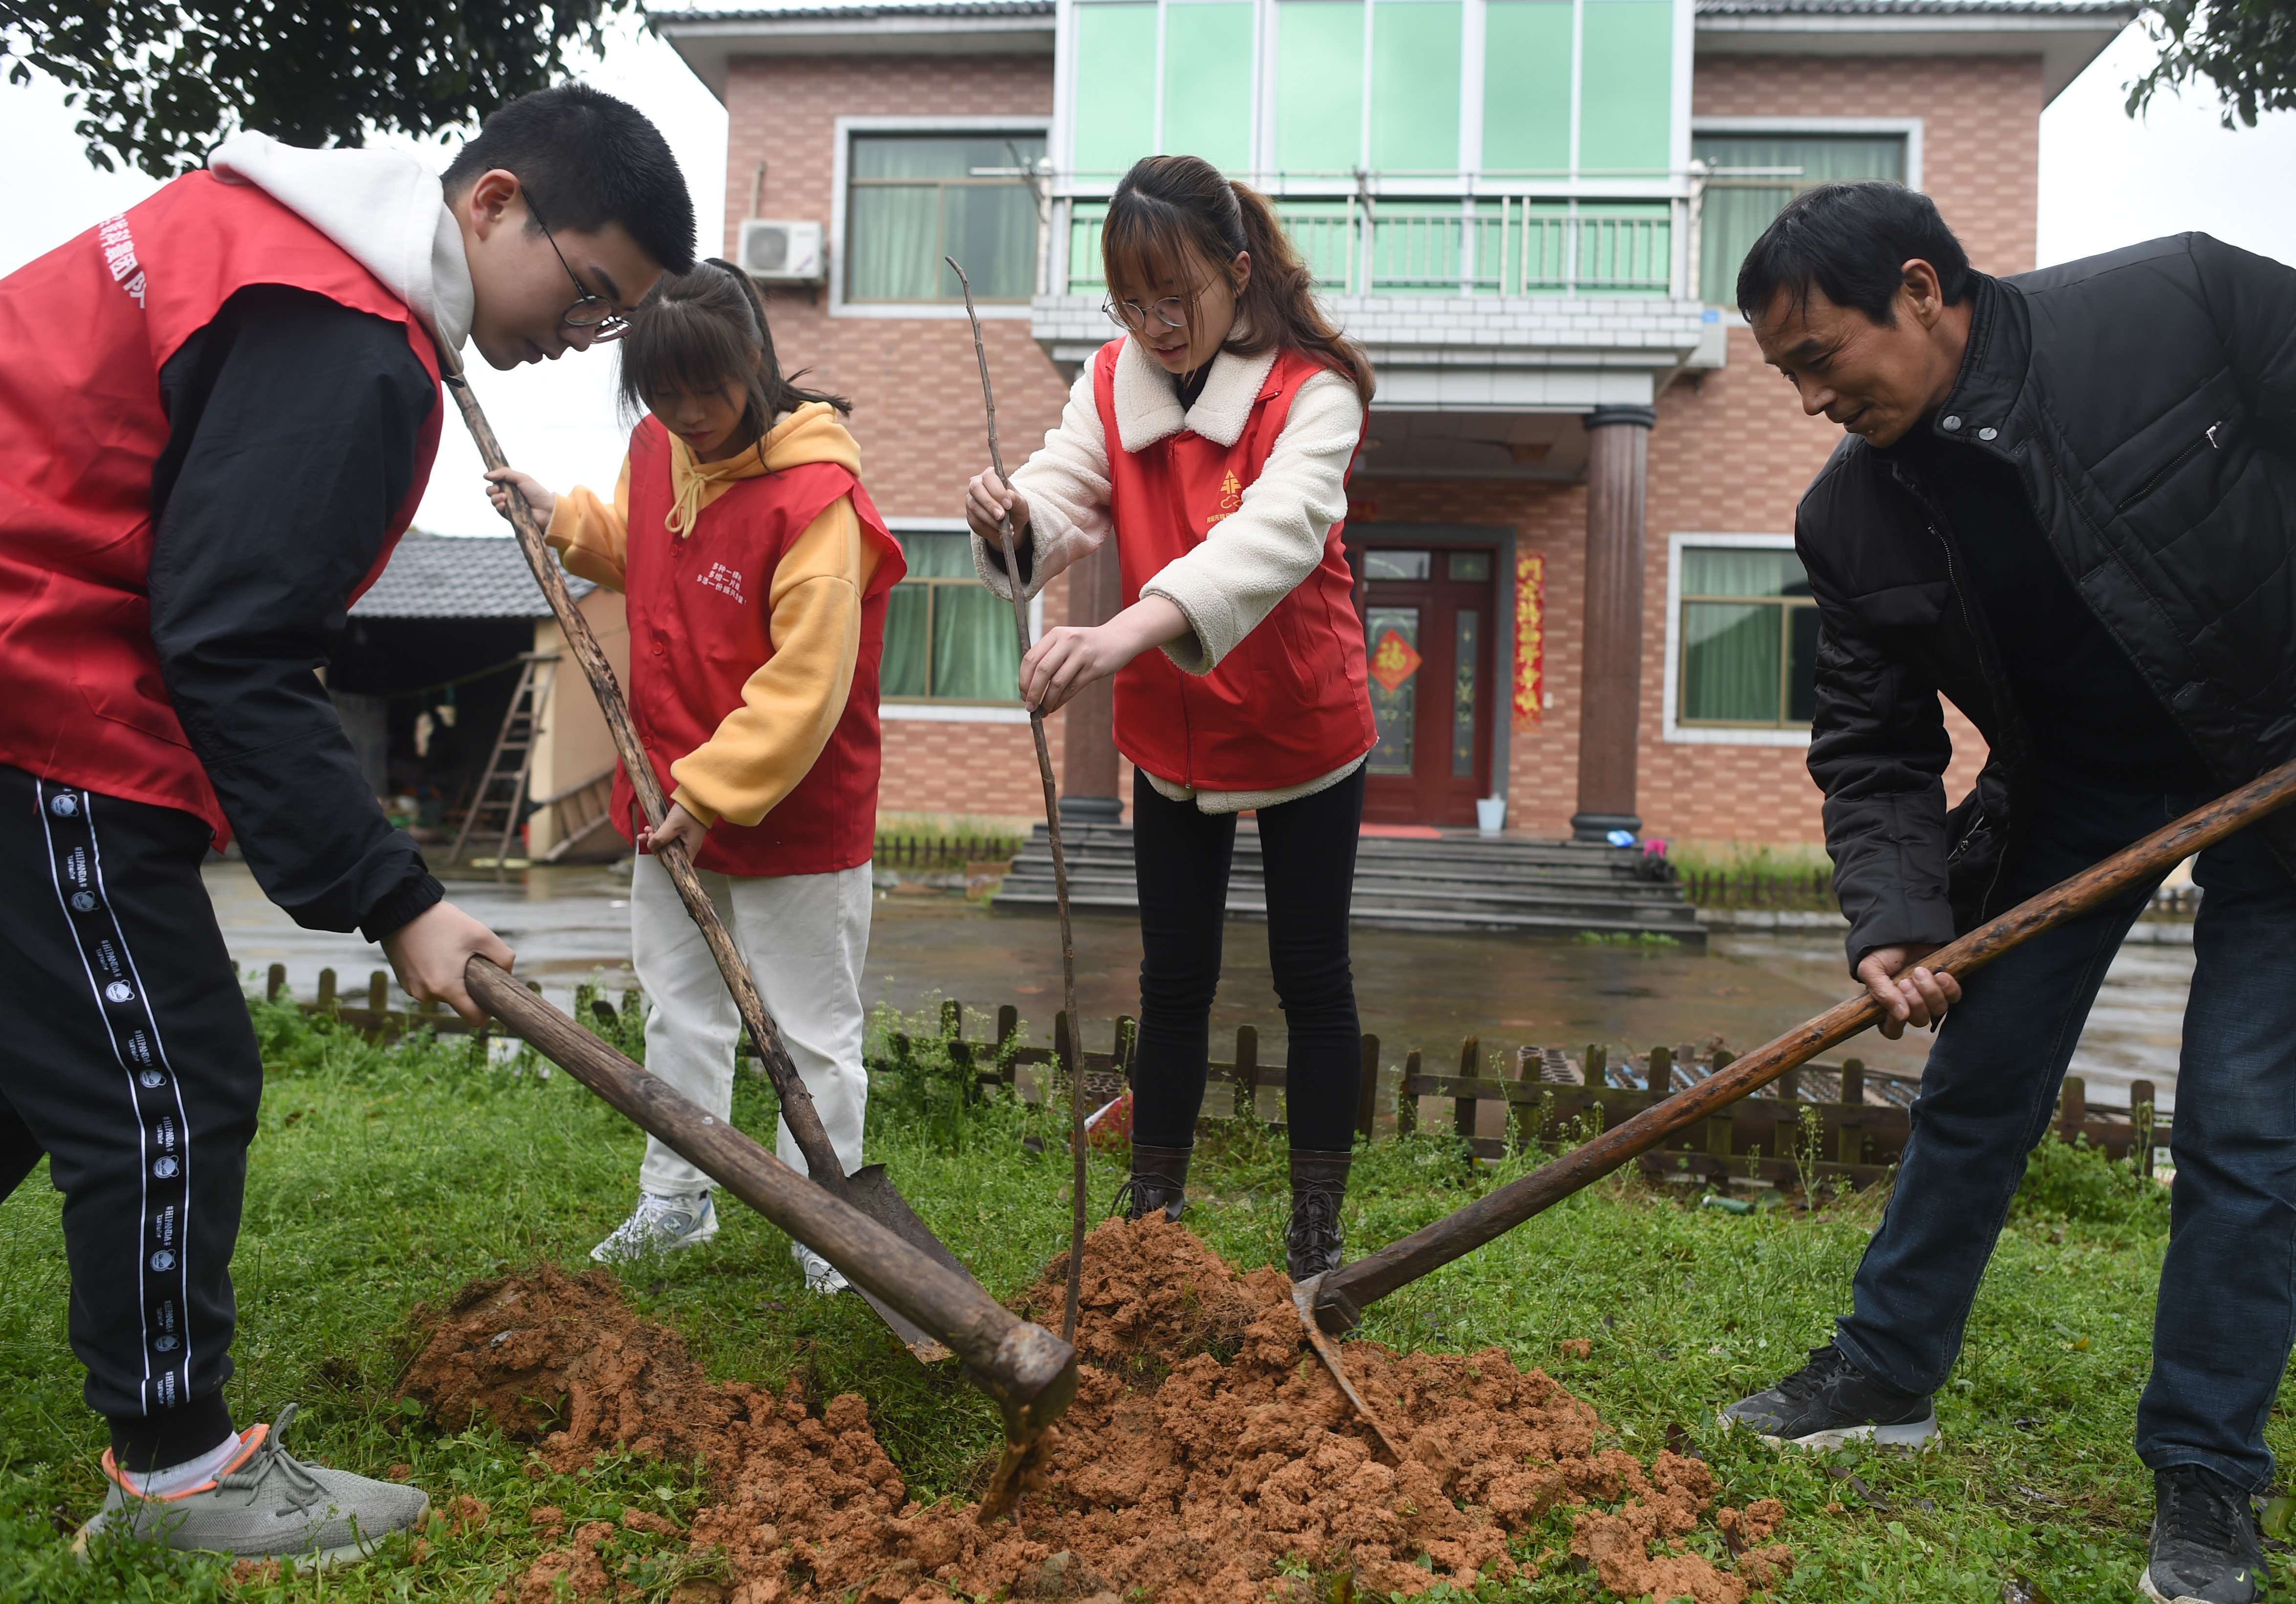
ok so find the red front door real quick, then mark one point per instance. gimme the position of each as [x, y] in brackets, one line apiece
[1428, 628]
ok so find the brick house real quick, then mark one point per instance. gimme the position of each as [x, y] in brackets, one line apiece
[1574, 506]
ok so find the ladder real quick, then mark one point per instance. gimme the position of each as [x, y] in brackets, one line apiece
[499, 802]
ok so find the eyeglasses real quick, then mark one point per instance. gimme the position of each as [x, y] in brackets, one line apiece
[1172, 312]
[591, 311]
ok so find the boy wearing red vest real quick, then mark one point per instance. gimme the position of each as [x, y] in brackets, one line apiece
[217, 416]
[757, 571]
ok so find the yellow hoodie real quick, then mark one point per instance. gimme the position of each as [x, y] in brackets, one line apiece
[792, 703]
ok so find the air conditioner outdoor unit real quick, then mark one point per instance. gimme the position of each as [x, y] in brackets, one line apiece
[780, 252]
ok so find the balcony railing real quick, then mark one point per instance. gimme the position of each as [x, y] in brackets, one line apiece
[1510, 245]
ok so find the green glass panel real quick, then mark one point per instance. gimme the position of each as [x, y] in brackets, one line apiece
[991, 229]
[1737, 208]
[939, 155]
[894, 234]
[1208, 83]
[1724, 571]
[1730, 662]
[1319, 50]
[1626, 86]
[1527, 85]
[907, 642]
[1468, 644]
[1323, 232]
[1394, 712]
[1085, 270]
[1116, 62]
[938, 556]
[976, 657]
[1414, 85]
[1801, 664]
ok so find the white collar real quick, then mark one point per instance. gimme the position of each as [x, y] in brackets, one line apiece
[1148, 409]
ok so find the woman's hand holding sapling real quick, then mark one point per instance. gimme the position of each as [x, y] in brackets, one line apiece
[501, 481]
[1067, 660]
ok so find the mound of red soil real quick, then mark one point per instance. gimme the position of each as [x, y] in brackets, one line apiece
[1199, 1490]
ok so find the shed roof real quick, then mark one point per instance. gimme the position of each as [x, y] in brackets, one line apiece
[459, 575]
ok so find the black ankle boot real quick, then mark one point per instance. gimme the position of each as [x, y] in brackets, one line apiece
[1312, 1241]
[1159, 1181]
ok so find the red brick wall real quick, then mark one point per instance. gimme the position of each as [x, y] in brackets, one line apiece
[914, 385]
[1981, 128]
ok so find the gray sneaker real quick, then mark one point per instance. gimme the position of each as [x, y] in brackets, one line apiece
[266, 1504]
[660, 1225]
[821, 1276]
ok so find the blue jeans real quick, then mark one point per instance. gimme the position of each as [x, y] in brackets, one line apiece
[2226, 1313]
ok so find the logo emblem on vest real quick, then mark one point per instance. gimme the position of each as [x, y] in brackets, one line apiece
[83, 902]
[1231, 498]
[119, 247]
[120, 990]
[725, 580]
[63, 806]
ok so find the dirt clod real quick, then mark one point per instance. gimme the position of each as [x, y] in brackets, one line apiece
[1206, 1454]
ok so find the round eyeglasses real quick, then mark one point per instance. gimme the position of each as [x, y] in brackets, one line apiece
[591, 311]
[1172, 312]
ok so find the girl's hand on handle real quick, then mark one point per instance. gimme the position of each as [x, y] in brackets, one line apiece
[1067, 660]
[677, 824]
[538, 496]
[1918, 996]
[986, 500]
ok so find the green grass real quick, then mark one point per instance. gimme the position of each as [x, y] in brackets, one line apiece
[384, 1178]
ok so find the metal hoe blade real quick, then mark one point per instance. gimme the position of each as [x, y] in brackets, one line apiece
[1303, 1300]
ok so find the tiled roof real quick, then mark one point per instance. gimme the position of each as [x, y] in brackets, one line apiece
[453, 576]
[2102, 9]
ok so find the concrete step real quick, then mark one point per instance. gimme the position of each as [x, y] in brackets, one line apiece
[1457, 882]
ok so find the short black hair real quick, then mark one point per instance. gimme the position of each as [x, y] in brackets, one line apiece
[586, 160]
[1853, 241]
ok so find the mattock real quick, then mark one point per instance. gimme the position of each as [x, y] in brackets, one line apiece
[1030, 1373]
[1077, 1098]
[1334, 1301]
[869, 1188]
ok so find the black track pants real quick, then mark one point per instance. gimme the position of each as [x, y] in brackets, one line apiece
[1181, 858]
[128, 1058]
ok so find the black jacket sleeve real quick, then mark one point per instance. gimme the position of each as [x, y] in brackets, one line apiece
[293, 426]
[2253, 301]
[1878, 749]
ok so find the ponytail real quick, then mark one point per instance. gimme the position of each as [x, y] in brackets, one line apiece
[1170, 209]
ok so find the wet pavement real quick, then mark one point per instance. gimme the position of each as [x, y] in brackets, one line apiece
[1415, 989]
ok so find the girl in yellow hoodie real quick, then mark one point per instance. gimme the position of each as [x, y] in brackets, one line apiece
[756, 569]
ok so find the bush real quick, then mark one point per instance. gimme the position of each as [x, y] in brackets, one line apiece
[2077, 1181]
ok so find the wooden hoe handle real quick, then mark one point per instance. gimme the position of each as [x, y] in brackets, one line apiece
[797, 1103]
[1340, 1295]
[1030, 1373]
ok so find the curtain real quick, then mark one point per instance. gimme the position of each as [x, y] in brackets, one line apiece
[965, 634]
[1745, 571]
[1730, 663]
[1735, 211]
[906, 642]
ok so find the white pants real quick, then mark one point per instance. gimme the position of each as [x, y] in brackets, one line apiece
[805, 936]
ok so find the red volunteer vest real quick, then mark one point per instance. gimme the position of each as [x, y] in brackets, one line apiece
[701, 623]
[1290, 702]
[86, 329]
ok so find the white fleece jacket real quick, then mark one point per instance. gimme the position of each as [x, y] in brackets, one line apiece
[386, 209]
[1248, 562]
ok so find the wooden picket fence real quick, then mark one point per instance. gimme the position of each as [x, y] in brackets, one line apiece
[1820, 1122]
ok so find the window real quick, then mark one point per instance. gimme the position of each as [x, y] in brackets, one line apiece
[915, 198]
[1747, 635]
[947, 637]
[1757, 174]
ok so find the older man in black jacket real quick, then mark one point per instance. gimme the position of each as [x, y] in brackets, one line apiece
[2066, 503]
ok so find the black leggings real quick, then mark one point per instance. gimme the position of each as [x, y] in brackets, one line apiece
[1181, 858]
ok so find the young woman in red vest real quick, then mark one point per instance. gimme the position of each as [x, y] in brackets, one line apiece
[757, 571]
[1213, 440]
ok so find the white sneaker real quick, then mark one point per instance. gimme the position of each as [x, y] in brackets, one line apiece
[660, 1225]
[821, 1276]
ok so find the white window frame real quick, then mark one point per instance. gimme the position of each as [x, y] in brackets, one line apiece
[957, 712]
[840, 179]
[1908, 127]
[1706, 735]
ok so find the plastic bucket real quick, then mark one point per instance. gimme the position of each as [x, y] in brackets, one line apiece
[1490, 814]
